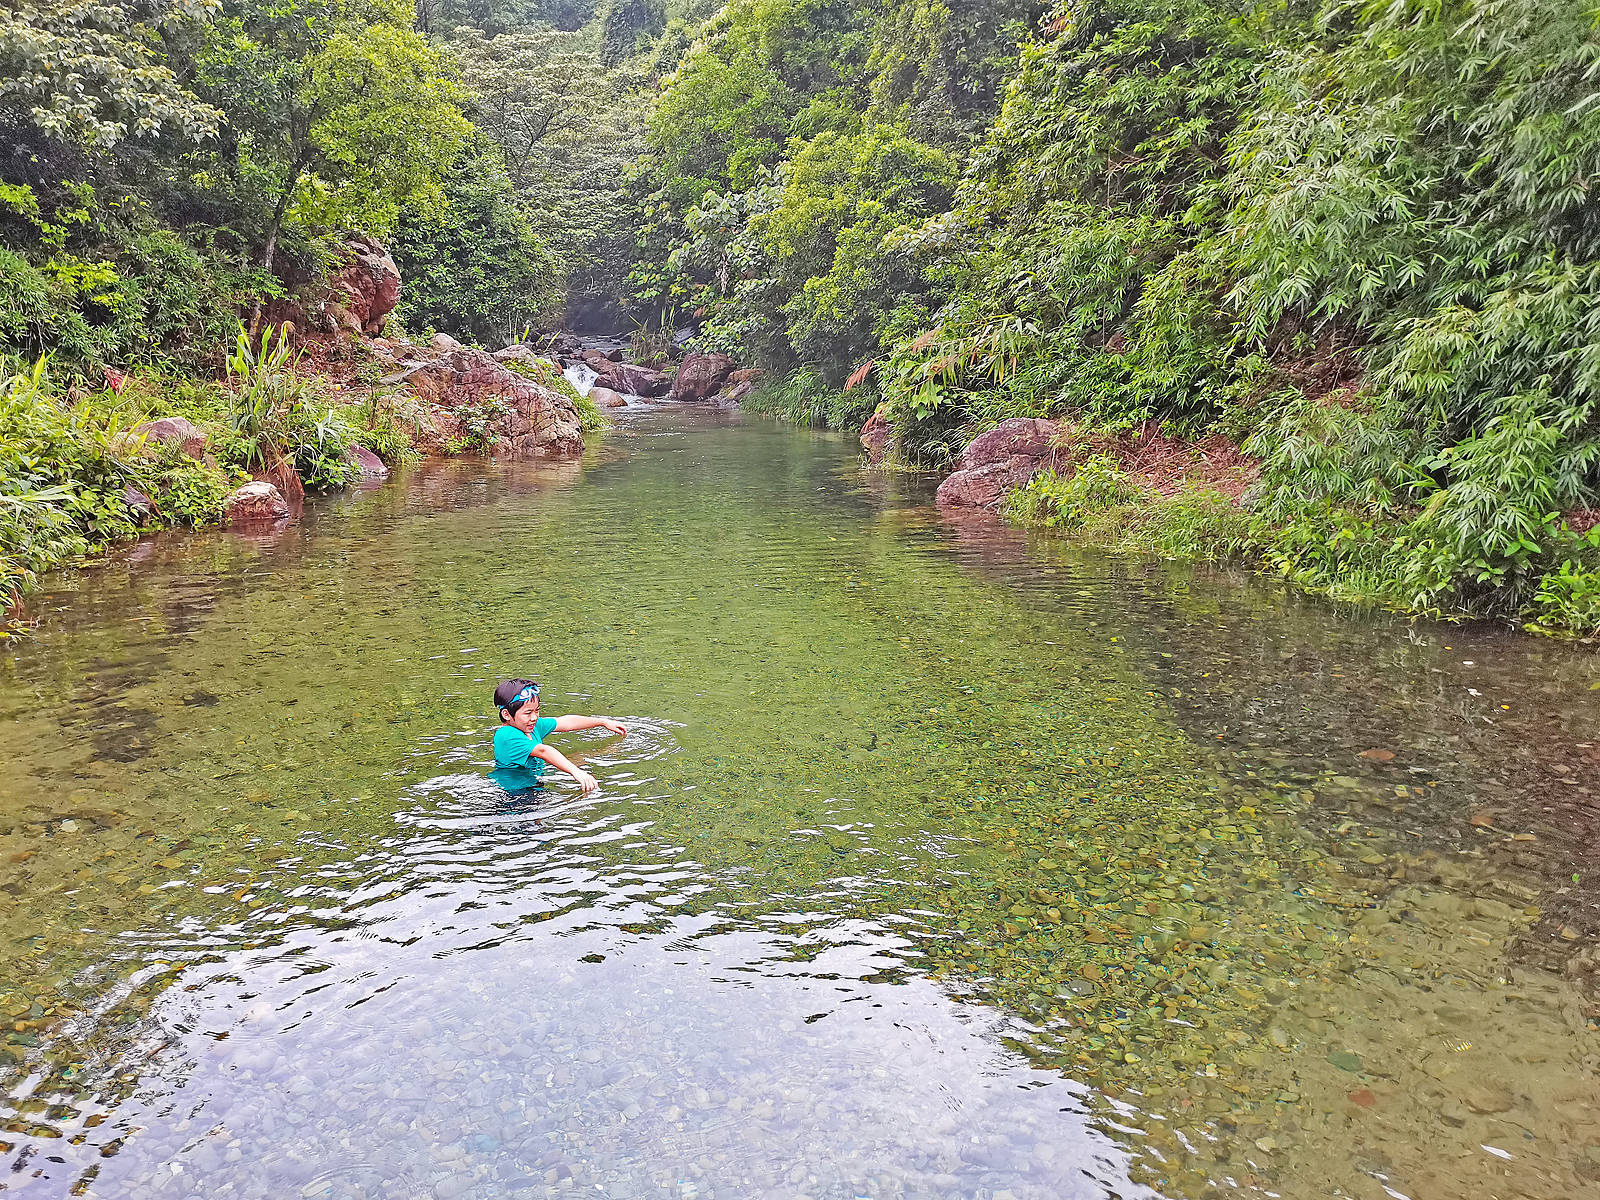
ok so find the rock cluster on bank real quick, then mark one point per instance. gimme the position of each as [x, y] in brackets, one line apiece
[468, 392]
[510, 398]
[994, 463]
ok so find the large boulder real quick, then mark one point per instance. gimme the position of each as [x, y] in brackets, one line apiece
[633, 380]
[606, 398]
[875, 436]
[365, 290]
[701, 376]
[995, 462]
[521, 352]
[174, 431]
[371, 465]
[254, 503]
[531, 419]
[1028, 437]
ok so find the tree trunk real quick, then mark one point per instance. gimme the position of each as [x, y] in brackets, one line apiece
[273, 229]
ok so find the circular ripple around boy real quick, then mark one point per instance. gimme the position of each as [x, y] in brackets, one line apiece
[519, 749]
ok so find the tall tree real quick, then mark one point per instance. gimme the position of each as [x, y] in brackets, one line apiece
[338, 112]
[93, 73]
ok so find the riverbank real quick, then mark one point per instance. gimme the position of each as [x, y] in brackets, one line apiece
[1113, 494]
[86, 464]
[1212, 498]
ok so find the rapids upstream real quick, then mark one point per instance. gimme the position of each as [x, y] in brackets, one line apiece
[943, 861]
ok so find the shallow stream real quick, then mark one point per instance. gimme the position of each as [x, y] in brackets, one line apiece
[942, 861]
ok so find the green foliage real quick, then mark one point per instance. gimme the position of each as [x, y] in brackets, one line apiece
[92, 74]
[477, 419]
[338, 114]
[67, 462]
[805, 398]
[155, 156]
[1568, 600]
[761, 72]
[188, 492]
[266, 394]
[568, 132]
[937, 65]
[1065, 501]
[60, 478]
[828, 238]
[590, 416]
[626, 27]
[473, 265]
[1365, 238]
[382, 429]
[275, 414]
[1102, 505]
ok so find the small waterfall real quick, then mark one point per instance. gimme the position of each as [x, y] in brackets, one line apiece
[581, 376]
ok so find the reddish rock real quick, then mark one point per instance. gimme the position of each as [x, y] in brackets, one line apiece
[255, 503]
[985, 486]
[875, 436]
[1028, 436]
[139, 504]
[747, 375]
[630, 379]
[175, 431]
[520, 352]
[606, 398]
[366, 288]
[280, 473]
[371, 465]
[735, 392]
[537, 420]
[701, 376]
[995, 462]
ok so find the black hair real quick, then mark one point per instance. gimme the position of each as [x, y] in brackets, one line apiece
[505, 696]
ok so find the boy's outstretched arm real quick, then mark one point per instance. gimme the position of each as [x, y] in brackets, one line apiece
[559, 760]
[573, 724]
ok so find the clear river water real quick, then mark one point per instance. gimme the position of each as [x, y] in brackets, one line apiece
[942, 861]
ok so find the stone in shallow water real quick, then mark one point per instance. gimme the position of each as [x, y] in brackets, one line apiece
[1345, 1060]
[1487, 1098]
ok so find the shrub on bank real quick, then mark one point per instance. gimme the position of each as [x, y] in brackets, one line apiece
[805, 398]
[1103, 504]
[1406, 559]
[74, 478]
[1366, 233]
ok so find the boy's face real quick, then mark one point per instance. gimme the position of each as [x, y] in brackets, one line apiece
[526, 716]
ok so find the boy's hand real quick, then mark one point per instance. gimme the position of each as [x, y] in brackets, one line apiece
[616, 727]
[586, 781]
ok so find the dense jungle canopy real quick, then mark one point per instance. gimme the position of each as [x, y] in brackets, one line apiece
[1361, 239]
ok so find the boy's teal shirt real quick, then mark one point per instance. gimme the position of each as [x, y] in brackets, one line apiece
[513, 748]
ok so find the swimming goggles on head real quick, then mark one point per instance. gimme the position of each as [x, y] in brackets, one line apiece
[528, 693]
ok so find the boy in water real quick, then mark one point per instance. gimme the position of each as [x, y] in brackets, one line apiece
[519, 742]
